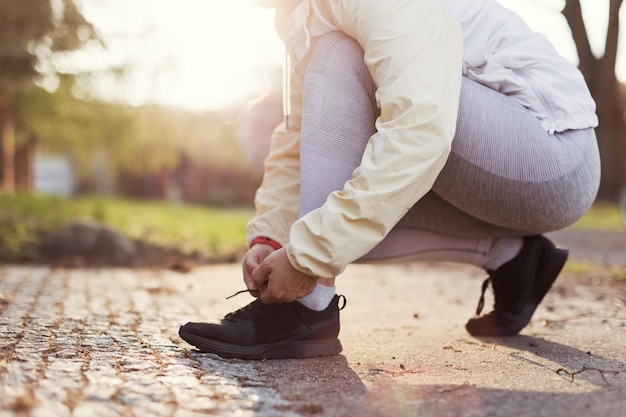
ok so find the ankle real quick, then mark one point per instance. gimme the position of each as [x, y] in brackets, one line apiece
[502, 251]
[327, 282]
[320, 298]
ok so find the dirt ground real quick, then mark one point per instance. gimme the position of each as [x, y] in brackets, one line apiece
[103, 342]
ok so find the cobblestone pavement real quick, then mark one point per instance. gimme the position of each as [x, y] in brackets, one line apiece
[104, 343]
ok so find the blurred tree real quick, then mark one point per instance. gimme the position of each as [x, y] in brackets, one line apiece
[80, 129]
[599, 72]
[32, 34]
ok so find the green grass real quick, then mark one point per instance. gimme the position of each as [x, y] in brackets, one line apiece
[591, 269]
[602, 216]
[23, 219]
[217, 233]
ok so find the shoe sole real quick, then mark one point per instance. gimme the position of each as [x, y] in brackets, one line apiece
[542, 284]
[294, 349]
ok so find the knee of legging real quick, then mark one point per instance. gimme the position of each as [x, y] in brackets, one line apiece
[581, 193]
[336, 52]
[562, 209]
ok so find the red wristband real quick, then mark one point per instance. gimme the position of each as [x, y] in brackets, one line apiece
[266, 241]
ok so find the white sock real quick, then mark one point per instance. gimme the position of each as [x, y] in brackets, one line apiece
[505, 249]
[319, 299]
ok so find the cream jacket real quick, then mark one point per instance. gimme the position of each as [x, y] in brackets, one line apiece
[414, 51]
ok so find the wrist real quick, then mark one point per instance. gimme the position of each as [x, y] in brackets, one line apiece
[265, 241]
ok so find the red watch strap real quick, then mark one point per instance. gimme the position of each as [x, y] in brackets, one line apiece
[266, 241]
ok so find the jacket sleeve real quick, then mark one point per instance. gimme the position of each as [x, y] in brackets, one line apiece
[277, 200]
[413, 50]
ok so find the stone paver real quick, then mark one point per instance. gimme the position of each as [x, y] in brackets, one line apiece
[104, 343]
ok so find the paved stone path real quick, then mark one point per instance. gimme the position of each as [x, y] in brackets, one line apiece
[104, 343]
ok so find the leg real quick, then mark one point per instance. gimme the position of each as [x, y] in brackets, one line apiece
[339, 112]
[339, 115]
[506, 176]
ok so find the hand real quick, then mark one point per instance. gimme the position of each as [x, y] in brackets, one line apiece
[253, 259]
[279, 282]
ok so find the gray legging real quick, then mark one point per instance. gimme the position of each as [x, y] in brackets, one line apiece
[506, 176]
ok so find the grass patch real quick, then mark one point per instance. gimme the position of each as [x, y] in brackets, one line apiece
[602, 216]
[590, 269]
[24, 220]
[216, 233]
[192, 229]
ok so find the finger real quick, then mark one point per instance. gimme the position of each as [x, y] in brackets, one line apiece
[248, 267]
[267, 297]
[276, 292]
[268, 294]
[250, 263]
[261, 274]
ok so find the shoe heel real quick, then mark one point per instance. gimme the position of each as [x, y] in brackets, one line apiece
[548, 275]
[499, 324]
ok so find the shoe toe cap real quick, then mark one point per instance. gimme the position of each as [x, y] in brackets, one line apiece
[219, 332]
[193, 328]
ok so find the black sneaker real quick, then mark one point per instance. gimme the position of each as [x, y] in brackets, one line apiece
[270, 331]
[518, 288]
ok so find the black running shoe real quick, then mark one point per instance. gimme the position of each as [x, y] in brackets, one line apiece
[518, 288]
[270, 331]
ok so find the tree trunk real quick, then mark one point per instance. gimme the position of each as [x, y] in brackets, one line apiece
[611, 142]
[165, 182]
[24, 160]
[7, 150]
[604, 87]
[611, 137]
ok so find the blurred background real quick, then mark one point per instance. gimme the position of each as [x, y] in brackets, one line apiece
[174, 101]
[140, 98]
